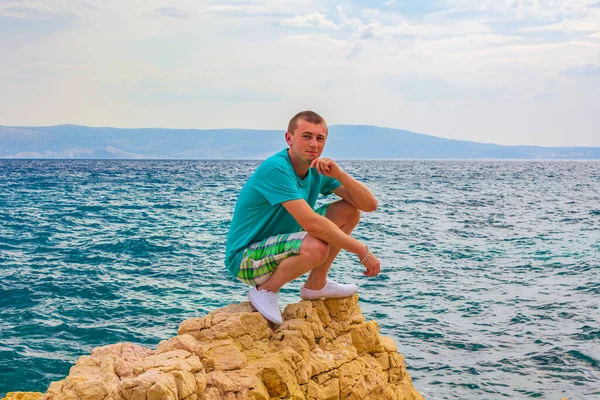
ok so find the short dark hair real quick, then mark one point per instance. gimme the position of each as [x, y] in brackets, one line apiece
[308, 116]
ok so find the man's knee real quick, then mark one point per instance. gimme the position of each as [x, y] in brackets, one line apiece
[316, 249]
[343, 213]
[353, 215]
[349, 213]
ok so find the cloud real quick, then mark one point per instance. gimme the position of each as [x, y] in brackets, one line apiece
[314, 20]
[452, 29]
[567, 26]
[585, 71]
[398, 28]
[262, 7]
[418, 87]
[357, 48]
[596, 35]
[313, 40]
[155, 91]
[374, 28]
[524, 9]
[370, 12]
[35, 10]
[28, 10]
[446, 13]
[390, 3]
[172, 12]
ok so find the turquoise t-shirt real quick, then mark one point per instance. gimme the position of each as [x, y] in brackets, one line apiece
[258, 212]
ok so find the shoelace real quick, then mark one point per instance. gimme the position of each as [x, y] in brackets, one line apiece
[273, 298]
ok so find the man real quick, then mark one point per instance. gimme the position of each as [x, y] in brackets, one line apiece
[275, 235]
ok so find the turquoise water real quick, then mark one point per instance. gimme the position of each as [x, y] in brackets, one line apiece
[490, 283]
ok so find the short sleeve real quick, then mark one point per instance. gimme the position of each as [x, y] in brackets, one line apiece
[277, 186]
[328, 185]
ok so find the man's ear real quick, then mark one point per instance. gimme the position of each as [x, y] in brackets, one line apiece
[288, 139]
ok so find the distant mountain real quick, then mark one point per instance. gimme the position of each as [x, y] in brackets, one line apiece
[344, 142]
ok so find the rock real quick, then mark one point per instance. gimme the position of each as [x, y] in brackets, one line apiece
[23, 396]
[323, 350]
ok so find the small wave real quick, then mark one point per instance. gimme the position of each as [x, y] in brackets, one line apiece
[423, 201]
[593, 362]
[520, 319]
[592, 287]
[166, 206]
[588, 333]
[465, 345]
[91, 209]
[466, 234]
[137, 247]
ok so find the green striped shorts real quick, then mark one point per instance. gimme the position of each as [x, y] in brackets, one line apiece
[261, 258]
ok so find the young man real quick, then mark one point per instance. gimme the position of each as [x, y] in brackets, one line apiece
[276, 236]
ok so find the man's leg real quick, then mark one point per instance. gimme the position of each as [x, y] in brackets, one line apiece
[314, 252]
[346, 217]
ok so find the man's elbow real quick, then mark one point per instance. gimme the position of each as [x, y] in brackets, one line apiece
[371, 206]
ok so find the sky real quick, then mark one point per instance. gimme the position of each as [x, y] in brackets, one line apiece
[495, 71]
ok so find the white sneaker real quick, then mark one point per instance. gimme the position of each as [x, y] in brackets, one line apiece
[266, 303]
[331, 290]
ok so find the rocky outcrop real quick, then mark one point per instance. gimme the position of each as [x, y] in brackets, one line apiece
[23, 396]
[324, 350]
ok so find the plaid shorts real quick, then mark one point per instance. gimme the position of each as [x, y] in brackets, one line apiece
[261, 258]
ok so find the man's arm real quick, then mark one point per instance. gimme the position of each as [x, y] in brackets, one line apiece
[356, 193]
[322, 228]
[351, 190]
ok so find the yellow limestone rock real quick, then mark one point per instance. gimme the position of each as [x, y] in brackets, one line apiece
[324, 350]
[23, 396]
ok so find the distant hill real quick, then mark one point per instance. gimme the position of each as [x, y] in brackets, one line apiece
[344, 142]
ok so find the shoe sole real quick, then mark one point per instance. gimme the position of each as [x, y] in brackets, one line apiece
[327, 297]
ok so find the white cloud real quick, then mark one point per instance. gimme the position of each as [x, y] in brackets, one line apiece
[534, 9]
[375, 29]
[390, 3]
[585, 71]
[596, 35]
[172, 12]
[357, 48]
[314, 20]
[370, 12]
[313, 39]
[229, 8]
[348, 22]
[444, 13]
[453, 28]
[261, 7]
[28, 10]
[567, 26]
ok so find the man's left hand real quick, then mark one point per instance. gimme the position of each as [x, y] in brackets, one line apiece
[327, 167]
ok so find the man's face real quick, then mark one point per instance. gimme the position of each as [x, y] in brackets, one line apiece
[308, 140]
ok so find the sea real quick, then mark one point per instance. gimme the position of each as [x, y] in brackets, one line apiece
[490, 282]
